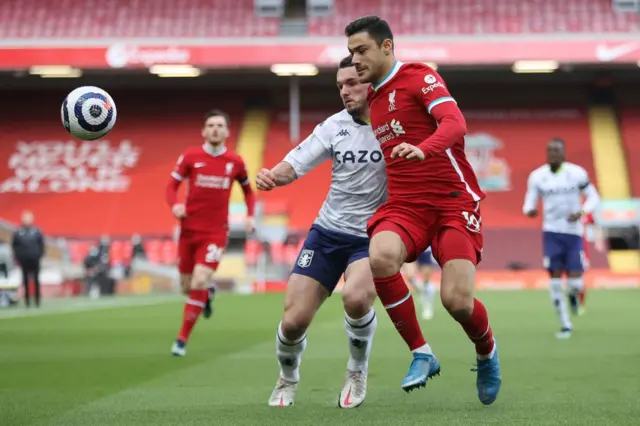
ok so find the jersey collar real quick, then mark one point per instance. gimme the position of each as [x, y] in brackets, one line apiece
[558, 170]
[210, 151]
[360, 122]
[392, 72]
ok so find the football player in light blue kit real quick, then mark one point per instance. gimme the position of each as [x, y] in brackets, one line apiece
[561, 185]
[337, 242]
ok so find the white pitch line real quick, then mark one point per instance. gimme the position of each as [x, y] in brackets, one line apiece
[84, 304]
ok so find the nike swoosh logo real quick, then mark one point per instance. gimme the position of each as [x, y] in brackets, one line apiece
[198, 165]
[347, 400]
[605, 53]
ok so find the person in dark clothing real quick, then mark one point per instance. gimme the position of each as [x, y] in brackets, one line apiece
[28, 249]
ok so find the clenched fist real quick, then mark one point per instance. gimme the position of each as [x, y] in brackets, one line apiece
[266, 180]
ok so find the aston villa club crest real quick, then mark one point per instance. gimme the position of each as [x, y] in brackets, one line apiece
[305, 259]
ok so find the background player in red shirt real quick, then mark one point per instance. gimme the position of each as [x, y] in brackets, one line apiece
[210, 170]
[433, 200]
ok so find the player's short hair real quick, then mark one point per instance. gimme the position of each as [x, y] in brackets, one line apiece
[217, 113]
[557, 140]
[346, 62]
[377, 28]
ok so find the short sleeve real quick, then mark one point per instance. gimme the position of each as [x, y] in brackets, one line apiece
[182, 168]
[312, 151]
[242, 176]
[583, 179]
[433, 90]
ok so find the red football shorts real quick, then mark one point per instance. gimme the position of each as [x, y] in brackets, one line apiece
[451, 234]
[197, 248]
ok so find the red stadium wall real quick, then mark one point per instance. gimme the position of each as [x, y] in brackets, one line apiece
[152, 130]
[506, 145]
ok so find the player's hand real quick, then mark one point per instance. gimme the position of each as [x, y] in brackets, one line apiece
[408, 151]
[179, 211]
[532, 213]
[574, 217]
[266, 180]
[249, 225]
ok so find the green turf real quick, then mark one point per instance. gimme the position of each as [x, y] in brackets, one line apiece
[112, 367]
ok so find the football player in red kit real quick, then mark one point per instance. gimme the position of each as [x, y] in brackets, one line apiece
[210, 170]
[434, 200]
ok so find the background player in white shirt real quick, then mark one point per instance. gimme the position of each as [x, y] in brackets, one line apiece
[419, 274]
[561, 186]
[337, 242]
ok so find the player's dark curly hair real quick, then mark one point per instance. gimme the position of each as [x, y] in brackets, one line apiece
[217, 113]
[375, 26]
[346, 62]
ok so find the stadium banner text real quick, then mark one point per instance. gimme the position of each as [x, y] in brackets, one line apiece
[266, 53]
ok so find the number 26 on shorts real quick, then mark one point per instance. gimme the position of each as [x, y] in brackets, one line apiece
[214, 253]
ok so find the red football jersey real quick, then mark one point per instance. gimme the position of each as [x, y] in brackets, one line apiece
[401, 111]
[210, 179]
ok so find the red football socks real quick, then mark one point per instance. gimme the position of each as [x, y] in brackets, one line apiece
[582, 296]
[478, 329]
[192, 310]
[396, 298]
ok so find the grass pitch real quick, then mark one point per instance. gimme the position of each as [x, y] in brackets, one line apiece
[74, 364]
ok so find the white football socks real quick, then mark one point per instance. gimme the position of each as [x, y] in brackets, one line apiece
[559, 301]
[575, 285]
[289, 354]
[360, 334]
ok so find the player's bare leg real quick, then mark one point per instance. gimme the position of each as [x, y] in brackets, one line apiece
[185, 283]
[197, 298]
[575, 291]
[387, 254]
[456, 292]
[358, 296]
[303, 298]
[557, 294]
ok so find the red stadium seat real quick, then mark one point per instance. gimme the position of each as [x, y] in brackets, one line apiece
[277, 251]
[153, 248]
[291, 253]
[252, 251]
[168, 252]
[124, 18]
[459, 17]
[78, 250]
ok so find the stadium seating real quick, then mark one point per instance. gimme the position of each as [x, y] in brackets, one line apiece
[461, 17]
[124, 18]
